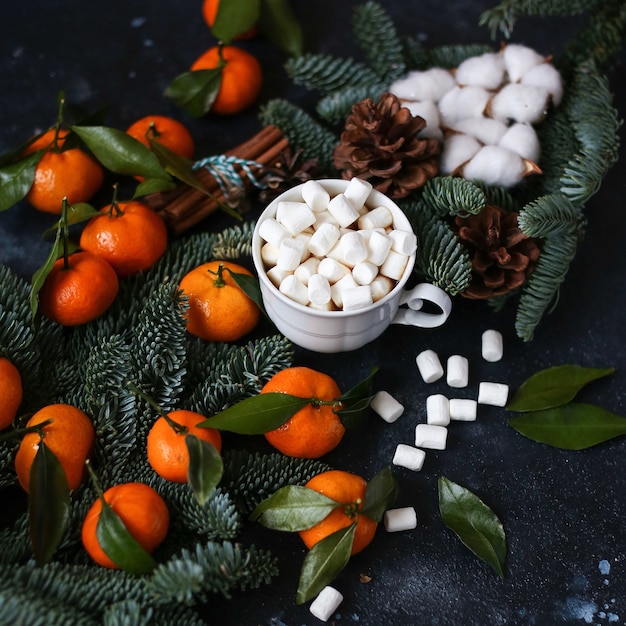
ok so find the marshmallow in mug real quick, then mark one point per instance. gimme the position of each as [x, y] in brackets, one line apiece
[339, 237]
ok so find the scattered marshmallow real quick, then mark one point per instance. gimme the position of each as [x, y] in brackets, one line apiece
[458, 371]
[495, 394]
[314, 194]
[343, 210]
[400, 519]
[409, 457]
[431, 436]
[429, 366]
[326, 603]
[386, 406]
[437, 410]
[492, 345]
[463, 409]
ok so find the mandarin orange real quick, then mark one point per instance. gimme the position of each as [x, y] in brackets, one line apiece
[165, 130]
[11, 392]
[315, 429]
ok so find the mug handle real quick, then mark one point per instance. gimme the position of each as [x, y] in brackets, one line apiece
[415, 298]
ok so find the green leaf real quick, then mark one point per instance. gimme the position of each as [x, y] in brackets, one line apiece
[554, 386]
[195, 91]
[119, 152]
[293, 508]
[381, 493]
[76, 213]
[16, 180]
[40, 275]
[250, 286]
[474, 522]
[119, 545]
[573, 426]
[153, 185]
[257, 415]
[48, 504]
[205, 468]
[356, 401]
[279, 24]
[324, 561]
[235, 17]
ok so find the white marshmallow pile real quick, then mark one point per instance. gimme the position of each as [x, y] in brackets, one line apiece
[334, 253]
[484, 111]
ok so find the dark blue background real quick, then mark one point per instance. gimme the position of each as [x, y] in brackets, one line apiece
[563, 512]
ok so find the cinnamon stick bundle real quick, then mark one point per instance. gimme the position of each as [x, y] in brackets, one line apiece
[185, 206]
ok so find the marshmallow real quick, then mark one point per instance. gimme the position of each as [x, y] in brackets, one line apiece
[318, 289]
[380, 287]
[408, 456]
[314, 194]
[463, 409]
[385, 405]
[343, 210]
[429, 366]
[305, 270]
[269, 254]
[324, 217]
[380, 217]
[337, 289]
[276, 275]
[326, 603]
[404, 518]
[403, 242]
[304, 237]
[356, 297]
[364, 272]
[295, 216]
[458, 371]
[431, 436]
[353, 248]
[378, 246]
[437, 410]
[495, 394]
[272, 232]
[290, 254]
[357, 191]
[294, 289]
[394, 265]
[492, 345]
[323, 239]
[332, 269]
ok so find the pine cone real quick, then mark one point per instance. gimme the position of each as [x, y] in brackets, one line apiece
[380, 144]
[289, 171]
[502, 255]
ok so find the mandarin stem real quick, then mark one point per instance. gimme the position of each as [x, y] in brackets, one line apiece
[178, 428]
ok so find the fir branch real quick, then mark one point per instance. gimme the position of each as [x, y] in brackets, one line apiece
[541, 289]
[441, 258]
[548, 216]
[268, 355]
[252, 477]
[211, 568]
[497, 196]
[337, 105]
[376, 35]
[235, 242]
[449, 195]
[416, 54]
[7, 463]
[302, 131]
[325, 73]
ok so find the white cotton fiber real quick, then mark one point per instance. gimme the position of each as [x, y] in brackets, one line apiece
[461, 102]
[485, 70]
[457, 150]
[430, 84]
[486, 130]
[429, 112]
[518, 59]
[494, 165]
[522, 139]
[520, 103]
[547, 77]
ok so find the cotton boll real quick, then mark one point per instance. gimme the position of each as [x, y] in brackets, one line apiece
[519, 59]
[427, 110]
[457, 150]
[494, 165]
[488, 131]
[462, 102]
[520, 103]
[522, 139]
[547, 77]
[430, 84]
[485, 70]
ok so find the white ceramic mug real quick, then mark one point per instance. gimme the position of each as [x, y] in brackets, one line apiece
[340, 331]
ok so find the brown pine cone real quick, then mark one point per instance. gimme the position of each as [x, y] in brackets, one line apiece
[502, 255]
[380, 144]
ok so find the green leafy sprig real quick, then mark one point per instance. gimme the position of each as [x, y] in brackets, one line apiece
[552, 418]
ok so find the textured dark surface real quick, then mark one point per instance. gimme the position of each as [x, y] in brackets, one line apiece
[563, 512]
